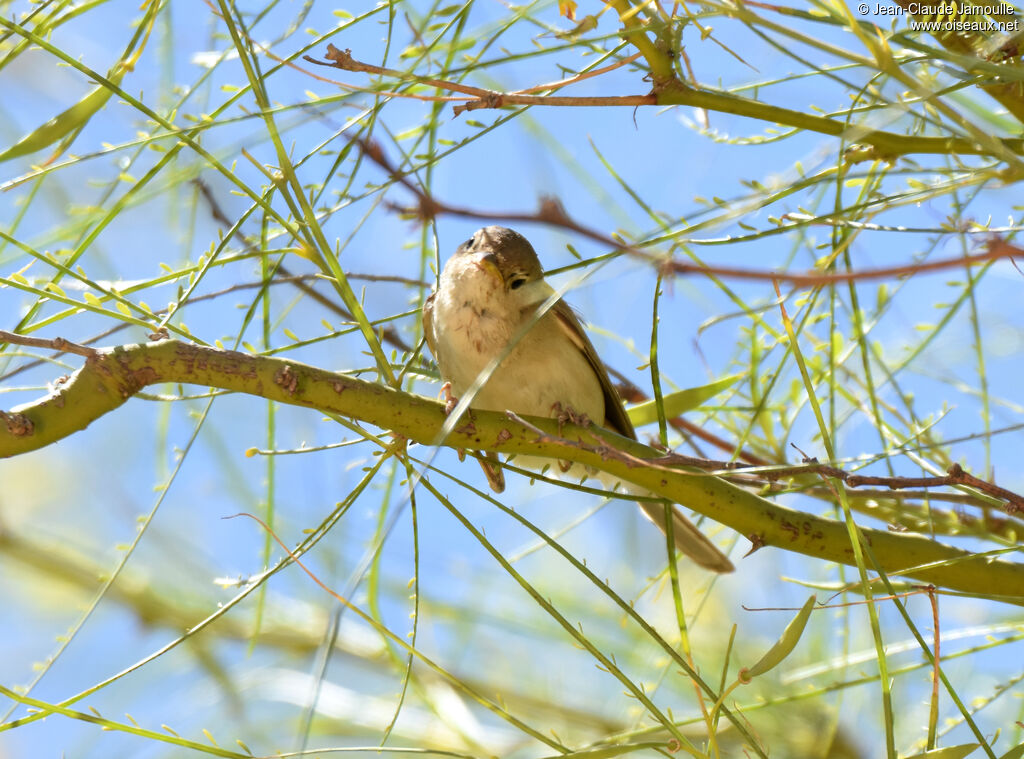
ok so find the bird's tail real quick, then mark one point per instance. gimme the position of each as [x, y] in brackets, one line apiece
[689, 540]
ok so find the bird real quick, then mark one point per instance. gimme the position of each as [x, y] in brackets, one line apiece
[489, 291]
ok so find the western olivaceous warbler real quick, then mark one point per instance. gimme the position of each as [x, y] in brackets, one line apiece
[489, 291]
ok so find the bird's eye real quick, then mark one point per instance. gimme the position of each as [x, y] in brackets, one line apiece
[469, 243]
[517, 283]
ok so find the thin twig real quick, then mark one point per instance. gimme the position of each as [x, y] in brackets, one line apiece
[479, 97]
[865, 143]
[58, 343]
[671, 461]
[552, 212]
[388, 334]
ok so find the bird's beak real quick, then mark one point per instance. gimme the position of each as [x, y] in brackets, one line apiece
[489, 263]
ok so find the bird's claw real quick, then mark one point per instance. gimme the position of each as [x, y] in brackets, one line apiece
[450, 401]
[564, 414]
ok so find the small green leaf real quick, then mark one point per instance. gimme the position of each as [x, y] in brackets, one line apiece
[415, 131]
[680, 402]
[783, 646]
[949, 752]
[63, 124]
[1014, 753]
[607, 751]
[123, 308]
[587, 24]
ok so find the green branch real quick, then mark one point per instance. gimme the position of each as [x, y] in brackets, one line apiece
[867, 143]
[885, 145]
[110, 377]
[976, 48]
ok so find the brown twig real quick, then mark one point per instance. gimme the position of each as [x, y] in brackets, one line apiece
[954, 476]
[500, 100]
[630, 393]
[39, 362]
[827, 604]
[671, 461]
[866, 143]
[479, 97]
[388, 334]
[58, 344]
[553, 213]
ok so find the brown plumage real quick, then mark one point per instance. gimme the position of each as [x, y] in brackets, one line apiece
[489, 292]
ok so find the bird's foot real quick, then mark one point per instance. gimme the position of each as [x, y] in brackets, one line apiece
[564, 414]
[492, 470]
[450, 401]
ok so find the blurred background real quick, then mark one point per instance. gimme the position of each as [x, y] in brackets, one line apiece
[113, 542]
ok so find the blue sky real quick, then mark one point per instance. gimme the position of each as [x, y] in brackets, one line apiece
[84, 495]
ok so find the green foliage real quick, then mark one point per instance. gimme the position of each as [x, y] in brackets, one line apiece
[781, 208]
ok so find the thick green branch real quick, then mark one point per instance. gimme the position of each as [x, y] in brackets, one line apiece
[886, 145]
[669, 90]
[636, 35]
[110, 377]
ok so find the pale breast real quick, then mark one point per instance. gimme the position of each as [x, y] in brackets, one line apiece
[471, 337]
[543, 369]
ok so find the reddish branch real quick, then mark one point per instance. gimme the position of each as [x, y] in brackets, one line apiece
[866, 144]
[552, 212]
[478, 97]
[388, 334]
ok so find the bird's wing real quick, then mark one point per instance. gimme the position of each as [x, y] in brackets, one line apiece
[615, 416]
[428, 323]
[689, 540]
